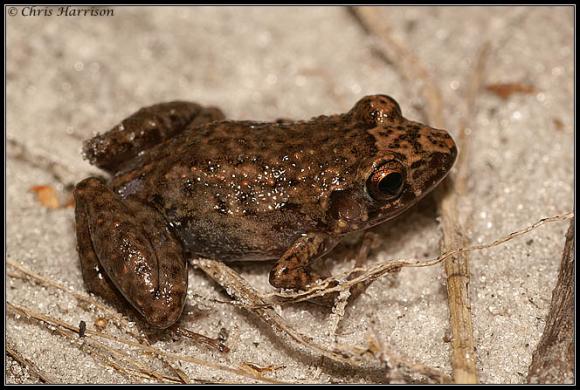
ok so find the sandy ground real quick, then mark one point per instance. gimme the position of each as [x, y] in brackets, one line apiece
[70, 77]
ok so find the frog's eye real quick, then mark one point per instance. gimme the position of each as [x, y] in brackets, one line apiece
[386, 181]
[376, 110]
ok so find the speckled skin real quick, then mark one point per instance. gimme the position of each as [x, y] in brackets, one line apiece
[188, 183]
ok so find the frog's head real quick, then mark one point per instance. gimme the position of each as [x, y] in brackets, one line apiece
[408, 160]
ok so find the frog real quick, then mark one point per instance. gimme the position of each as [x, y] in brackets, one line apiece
[185, 182]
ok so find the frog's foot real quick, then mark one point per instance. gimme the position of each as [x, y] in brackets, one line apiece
[130, 243]
[144, 129]
[293, 270]
[369, 242]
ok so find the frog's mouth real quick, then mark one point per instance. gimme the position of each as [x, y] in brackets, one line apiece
[381, 216]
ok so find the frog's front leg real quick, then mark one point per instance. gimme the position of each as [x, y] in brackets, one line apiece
[133, 246]
[293, 270]
[144, 129]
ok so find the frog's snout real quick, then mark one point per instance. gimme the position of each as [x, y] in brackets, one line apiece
[442, 143]
[439, 153]
[453, 152]
[452, 147]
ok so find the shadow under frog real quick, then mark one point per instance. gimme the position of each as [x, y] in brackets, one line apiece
[186, 182]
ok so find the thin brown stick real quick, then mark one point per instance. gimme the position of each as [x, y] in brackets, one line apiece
[457, 268]
[474, 86]
[131, 366]
[118, 319]
[119, 360]
[240, 290]
[178, 371]
[411, 68]
[198, 338]
[55, 322]
[19, 151]
[365, 274]
[463, 355]
[29, 365]
[115, 358]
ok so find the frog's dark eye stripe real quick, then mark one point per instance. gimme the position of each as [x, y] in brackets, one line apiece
[387, 181]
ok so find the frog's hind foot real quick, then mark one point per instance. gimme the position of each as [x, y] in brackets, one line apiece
[126, 246]
[144, 129]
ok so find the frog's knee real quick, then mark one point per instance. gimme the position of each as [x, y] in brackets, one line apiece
[163, 311]
[280, 277]
[299, 278]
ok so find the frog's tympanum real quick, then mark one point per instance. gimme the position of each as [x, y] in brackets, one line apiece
[186, 183]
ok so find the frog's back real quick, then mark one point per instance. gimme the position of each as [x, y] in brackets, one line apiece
[247, 188]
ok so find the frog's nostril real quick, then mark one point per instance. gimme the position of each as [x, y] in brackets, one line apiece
[449, 143]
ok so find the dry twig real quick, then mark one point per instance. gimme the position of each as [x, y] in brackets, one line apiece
[117, 359]
[457, 267]
[109, 356]
[464, 356]
[118, 319]
[240, 290]
[372, 273]
[410, 67]
[18, 151]
[28, 364]
[66, 328]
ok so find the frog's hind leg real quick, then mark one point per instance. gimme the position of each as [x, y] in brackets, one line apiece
[146, 128]
[131, 244]
[96, 280]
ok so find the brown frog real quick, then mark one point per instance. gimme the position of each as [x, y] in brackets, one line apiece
[186, 182]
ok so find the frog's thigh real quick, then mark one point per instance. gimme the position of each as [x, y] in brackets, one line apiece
[135, 249]
[293, 270]
[144, 129]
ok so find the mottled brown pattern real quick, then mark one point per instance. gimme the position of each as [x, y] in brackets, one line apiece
[134, 249]
[293, 269]
[245, 175]
[96, 280]
[186, 182]
[146, 128]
